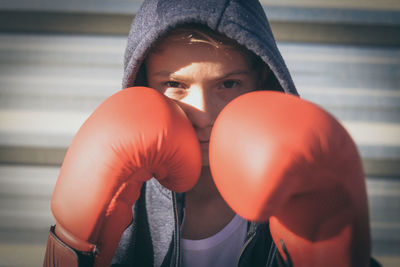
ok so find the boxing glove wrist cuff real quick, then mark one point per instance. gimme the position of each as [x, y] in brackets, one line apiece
[72, 240]
[60, 254]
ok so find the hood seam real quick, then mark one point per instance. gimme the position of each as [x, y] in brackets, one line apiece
[228, 2]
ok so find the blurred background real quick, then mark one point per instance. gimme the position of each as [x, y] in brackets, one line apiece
[60, 59]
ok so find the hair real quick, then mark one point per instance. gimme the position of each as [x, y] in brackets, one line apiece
[195, 34]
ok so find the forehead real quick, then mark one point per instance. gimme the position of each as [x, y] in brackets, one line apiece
[174, 54]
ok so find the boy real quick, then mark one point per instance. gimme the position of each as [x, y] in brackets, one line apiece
[202, 54]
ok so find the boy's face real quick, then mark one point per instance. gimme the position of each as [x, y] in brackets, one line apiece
[202, 79]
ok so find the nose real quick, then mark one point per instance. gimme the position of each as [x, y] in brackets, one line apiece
[198, 106]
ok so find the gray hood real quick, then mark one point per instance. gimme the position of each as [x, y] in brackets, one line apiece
[241, 20]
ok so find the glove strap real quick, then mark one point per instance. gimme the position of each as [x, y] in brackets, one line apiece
[60, 254]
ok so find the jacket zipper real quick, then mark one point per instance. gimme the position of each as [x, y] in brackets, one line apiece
[248, 241]
[177, 233]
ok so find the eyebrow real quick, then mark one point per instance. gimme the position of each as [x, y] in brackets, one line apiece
[236, 72]
[165, 73]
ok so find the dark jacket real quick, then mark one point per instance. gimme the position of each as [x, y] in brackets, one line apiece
[153, 237]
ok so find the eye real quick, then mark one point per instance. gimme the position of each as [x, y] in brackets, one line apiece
[174, 90]
[173, 84]
[229, 84]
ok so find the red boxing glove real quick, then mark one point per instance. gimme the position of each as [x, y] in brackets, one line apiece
[277, 157]
[132, 136]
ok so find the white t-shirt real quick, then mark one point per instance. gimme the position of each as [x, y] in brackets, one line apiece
[219, 250]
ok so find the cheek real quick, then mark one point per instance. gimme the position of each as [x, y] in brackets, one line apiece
[219, 103]
[224, 98]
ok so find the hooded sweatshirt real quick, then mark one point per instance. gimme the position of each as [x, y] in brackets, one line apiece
[241, 20]
[153, 237]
